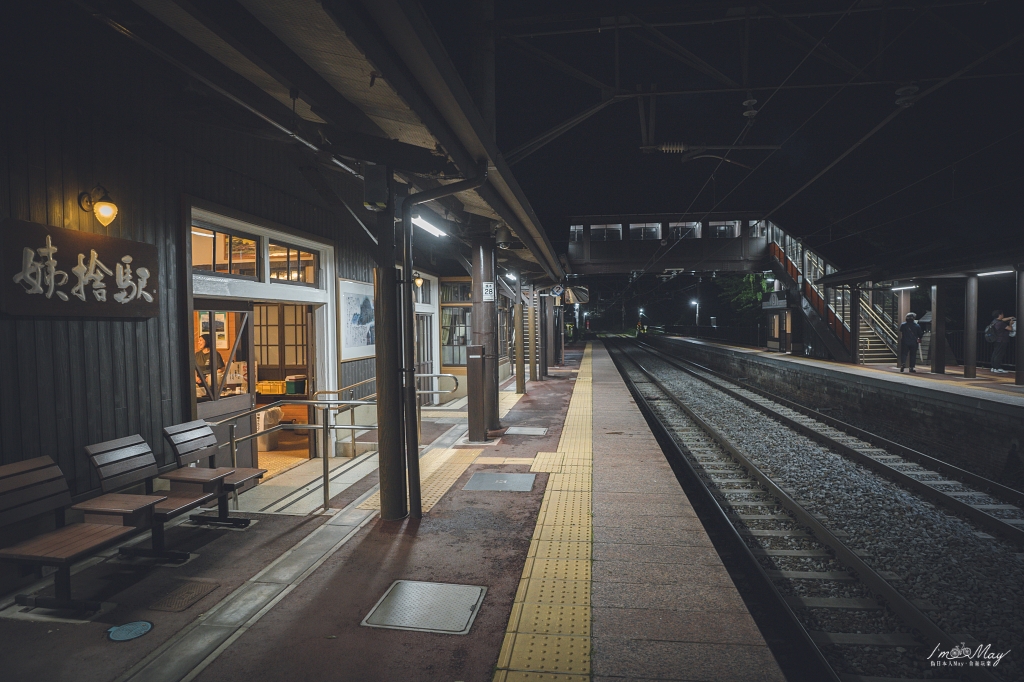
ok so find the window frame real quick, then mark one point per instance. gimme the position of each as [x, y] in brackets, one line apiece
[315, 284]
[217, 229]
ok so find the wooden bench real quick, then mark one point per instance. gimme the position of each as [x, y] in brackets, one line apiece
[193, 442]
[37, 486]
[130, 461]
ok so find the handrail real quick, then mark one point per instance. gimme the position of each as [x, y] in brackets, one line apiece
[277, 403]
[877, 323]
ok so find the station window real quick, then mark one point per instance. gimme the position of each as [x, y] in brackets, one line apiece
[606, 233]
[455, 329]
[644, 231]
[504, 315]
[423, 293]
[724, 229]
[575, 233]
[456, 292]
[292, 265]
[677, 231]
[224, 252]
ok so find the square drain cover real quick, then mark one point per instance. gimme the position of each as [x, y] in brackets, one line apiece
[519, 483]
[526, 431]
[427, 607]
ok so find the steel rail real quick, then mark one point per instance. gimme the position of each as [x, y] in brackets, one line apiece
[786, 635]
[899, 604]
[978, 516]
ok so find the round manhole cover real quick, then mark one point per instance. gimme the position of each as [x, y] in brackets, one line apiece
[122, 633]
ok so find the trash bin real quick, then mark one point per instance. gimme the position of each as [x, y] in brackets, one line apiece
[268, 420]
[295, 384]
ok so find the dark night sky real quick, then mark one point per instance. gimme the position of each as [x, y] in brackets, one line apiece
[598, 168]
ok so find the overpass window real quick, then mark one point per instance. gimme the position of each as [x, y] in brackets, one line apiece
[645, 231]
[575, 233]
[606, 233]
[759, 228]
[724, 229]
[677, 231]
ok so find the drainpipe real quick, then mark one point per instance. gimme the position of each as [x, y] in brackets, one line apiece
[412, 445]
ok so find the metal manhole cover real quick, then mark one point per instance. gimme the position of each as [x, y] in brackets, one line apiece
[184, 596]
[526, 431]
[518, 483]
[427, 607]
[123, 633]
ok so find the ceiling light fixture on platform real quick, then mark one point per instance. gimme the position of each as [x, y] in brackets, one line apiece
[98, 202]
[418, 221]
[904, 288]
[995, 272]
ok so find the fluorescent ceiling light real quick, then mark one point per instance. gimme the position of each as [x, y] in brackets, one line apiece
[418, 221]
[203, 234]
[510, 276]
[994, 272]
[912, 286]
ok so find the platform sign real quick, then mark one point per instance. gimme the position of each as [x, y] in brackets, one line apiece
[773, 302]
[53, 272]
[488, 291]
[557, 290]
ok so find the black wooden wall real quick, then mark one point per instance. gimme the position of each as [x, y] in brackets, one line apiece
[82, 105]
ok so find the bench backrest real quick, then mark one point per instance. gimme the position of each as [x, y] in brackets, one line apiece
[30, 488]
[191, 441]
[122, 462]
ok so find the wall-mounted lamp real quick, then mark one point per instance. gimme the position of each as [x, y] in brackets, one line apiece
[417, 279]
[99, 203]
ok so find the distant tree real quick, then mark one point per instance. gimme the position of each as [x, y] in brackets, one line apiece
[741, 294]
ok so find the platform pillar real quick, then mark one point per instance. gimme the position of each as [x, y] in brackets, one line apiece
[531, 324]
[485, 327]
[1019, 338]
[855, 324]
[937, 352]
[550, 335]
[543, 303]
[477, 415]
[520, 349]
[971, 328]
[903, 303]
[388, 361]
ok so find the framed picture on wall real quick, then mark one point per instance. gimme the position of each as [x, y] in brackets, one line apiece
[220, 326]
[356, 330]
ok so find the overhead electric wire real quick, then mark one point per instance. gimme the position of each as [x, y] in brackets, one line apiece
[656, 257]
[894, 114]
[912, 184]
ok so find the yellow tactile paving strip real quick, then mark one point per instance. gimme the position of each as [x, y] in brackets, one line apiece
[506, 401]
[548, 634]
[439, 469]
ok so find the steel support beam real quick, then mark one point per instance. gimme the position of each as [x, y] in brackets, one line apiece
[854, 324]
[520, 328]
[542, 333]
[1019, 338]
[391, 464]
[937, 352]
[970, 328]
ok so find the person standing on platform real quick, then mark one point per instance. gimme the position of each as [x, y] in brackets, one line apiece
[910, 338]
[1001, 333]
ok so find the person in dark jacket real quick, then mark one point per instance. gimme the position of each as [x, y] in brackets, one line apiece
[1001, 328]
[910, 338]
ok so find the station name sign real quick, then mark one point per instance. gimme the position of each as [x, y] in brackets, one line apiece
[773, 301]
[53, 272]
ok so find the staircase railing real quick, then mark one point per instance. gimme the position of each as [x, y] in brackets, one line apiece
[873, 316]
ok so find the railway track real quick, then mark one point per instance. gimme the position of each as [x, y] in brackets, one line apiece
[991, 505]
[842, 619]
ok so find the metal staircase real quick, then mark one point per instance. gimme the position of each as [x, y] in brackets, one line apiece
[873, 350]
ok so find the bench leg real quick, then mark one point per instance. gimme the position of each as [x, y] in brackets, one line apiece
[62, 596]
[158, 550]
[222, 518]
